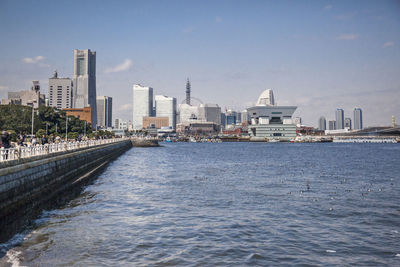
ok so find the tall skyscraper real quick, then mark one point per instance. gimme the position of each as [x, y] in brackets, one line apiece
[60, 92]
[188, 87]
[142, 105]
[84, 79]
[322, 123]
[332, 125]
[347, 123]
[104, 111]
[166, 107]
[358, 122]
[339, 119]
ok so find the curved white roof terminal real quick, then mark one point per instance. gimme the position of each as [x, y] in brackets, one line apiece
[266, 98]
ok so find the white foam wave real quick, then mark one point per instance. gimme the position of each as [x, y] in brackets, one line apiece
[330, 251]
[14, 257]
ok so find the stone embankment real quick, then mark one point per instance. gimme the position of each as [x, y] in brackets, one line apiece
[26, 184]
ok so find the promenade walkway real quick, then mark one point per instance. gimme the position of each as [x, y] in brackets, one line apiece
[37, 150]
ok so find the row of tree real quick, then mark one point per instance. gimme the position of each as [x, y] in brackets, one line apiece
[17, 119]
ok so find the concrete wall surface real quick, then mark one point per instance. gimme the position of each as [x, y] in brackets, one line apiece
[25, 185]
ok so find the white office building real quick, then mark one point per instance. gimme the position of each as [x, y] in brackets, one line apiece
[142, 105]
[165, 106]
[60, 92]
[104, 111]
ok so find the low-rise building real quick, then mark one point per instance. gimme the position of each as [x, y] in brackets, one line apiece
[84, 114]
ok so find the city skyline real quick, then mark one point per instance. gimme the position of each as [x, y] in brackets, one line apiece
[334, 55]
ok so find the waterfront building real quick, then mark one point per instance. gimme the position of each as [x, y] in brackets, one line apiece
[244, 117]
[121, 124]
[210, 113]
[269, 121]
[31, 97]
[347, 123]
[332, 125]
[104, 111]
[188, 113]
[60, 92]
[297, 121]
[238, 117]
[358, 120]
[142, 105]
[84, 114]
[223, 120]
[166, 107]
[231, 118]
[339, 119]
[84, 81]
[155, 122]
[322, 123]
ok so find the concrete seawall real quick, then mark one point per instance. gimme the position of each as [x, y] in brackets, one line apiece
[28, 184]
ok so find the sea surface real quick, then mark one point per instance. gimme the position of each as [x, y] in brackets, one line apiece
[227, 204]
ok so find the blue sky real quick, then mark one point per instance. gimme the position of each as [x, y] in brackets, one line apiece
[318, 55]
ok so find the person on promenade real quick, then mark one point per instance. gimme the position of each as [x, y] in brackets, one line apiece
[5, 142]
[20, 141]
[33, 141]
[44, 140]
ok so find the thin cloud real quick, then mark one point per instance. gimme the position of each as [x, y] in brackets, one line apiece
[33, 60]
[3, 88]
[188, 30]
[327, 7]
[349, 36]
[125, 107]
[126, 65]
[218, 19]
[388, 44]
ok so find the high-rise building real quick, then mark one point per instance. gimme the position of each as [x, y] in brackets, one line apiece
[332, 125]
[84, 81]
[142, 105]
[244, 117]
[339, 119]
[210, 113]
[60, 92]
[104, 111]
[358, 122]
[166, 107]
[347, 123]
[322, 123]
[223, 120]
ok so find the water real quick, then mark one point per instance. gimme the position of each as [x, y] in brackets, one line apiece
[229, 204]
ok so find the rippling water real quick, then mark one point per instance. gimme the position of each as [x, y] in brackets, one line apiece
[227, 204]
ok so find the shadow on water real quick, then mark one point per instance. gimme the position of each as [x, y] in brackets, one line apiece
[18, 225]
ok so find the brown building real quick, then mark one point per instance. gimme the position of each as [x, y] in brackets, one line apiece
[84, 114]
[157, 122]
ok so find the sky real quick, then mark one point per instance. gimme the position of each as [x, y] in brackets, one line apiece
[316, 55]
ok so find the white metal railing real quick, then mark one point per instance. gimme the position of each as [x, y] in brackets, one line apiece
[36, 150]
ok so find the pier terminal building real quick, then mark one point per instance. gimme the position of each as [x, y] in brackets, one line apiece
[270, 121]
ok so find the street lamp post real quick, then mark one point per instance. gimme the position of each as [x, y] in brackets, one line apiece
[66, 129]
[84, 132]
[33, 119]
